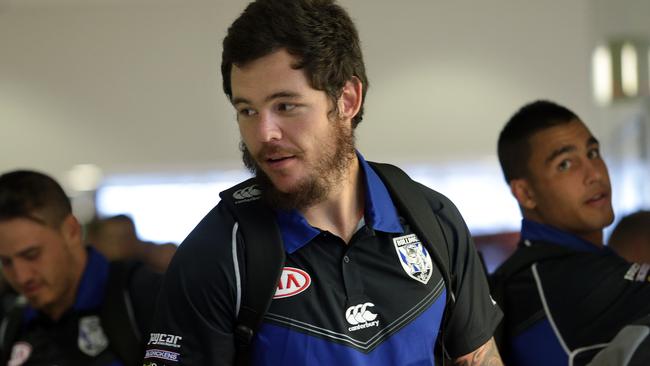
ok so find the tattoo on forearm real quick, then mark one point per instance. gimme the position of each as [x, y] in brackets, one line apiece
[486, 355]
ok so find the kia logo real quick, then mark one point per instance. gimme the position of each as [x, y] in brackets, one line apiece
[292, 282]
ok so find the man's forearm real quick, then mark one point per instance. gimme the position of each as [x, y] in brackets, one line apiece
[486, 355]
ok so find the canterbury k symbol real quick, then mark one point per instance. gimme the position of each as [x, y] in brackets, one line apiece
[248, 193]
[360, 314]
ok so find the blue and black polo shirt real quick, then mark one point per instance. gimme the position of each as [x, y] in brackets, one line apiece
[563, 310]
[75, 339]
[114, 302]
[377, 300]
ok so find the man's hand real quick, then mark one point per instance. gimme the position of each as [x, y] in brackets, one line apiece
[486, 355]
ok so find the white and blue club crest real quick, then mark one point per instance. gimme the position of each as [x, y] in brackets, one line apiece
[414, 257]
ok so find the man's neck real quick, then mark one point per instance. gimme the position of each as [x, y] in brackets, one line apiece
[594, 237]
[341, 211]
[535, 227]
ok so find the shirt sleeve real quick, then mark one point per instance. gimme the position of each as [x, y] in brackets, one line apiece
[196, 307]
[474, 316]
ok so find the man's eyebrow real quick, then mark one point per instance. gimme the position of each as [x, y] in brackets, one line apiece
[26, 251]
[592, 141]
[280, 94]
[239, 100]
[569, 148]
[22, 253]
[557, 152]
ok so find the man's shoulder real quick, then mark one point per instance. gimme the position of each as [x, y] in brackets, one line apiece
[217, 223]
[438, 201]
[242, 192]
[442, 206]
[213, 229]
[556, 263]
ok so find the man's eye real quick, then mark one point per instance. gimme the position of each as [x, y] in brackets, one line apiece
[593, 154]
[564, 165]
[246, 112]
[32, 254]
[286, 107]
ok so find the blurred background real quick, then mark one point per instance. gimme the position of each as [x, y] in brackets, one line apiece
[121, 100]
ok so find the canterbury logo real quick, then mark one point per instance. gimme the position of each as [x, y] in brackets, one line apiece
[360, 314]
[248, 193]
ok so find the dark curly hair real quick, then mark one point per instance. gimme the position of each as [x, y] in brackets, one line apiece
[319, 32]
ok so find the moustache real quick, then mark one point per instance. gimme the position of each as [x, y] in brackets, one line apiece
[269, 150]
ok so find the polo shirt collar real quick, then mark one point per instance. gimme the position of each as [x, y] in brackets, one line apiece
[380, 213]
[534, 231]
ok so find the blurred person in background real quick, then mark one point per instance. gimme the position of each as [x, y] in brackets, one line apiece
[79, 309]
[116, 238]
[631, 237]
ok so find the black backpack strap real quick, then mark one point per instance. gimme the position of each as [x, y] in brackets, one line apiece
[117, 315]
[412, 203]
[264, 261]
[9, 330]
[524, 257]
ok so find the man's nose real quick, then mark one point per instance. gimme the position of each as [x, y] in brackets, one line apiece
[594, 170]
[22, 273]
[269, 127]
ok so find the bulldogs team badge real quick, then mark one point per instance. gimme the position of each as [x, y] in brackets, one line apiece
[414, 257]
[92, 340]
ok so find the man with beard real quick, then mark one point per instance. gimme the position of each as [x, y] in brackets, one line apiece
[565, 295]
[294, 72]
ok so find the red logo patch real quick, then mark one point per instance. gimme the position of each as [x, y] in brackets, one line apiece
[292, 282]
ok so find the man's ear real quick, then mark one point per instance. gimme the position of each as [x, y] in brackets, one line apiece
[71, 230]
[524, 193]
[351, 97]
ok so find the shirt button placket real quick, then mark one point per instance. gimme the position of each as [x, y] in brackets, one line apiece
[351, 278]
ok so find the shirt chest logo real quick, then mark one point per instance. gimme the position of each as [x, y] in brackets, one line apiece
[360, 317]
[92, 340]
[292, 282]
[414, 257]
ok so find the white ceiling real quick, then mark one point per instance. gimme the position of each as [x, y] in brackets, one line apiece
[134, 85]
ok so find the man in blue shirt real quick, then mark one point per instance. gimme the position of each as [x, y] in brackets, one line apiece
[358, 286]
[564, 294]
[81, 310]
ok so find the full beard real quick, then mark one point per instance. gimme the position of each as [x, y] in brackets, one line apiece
[327, 172]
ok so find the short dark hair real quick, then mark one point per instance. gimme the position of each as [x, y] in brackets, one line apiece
[514, 140]
[319, 32]
[32, 195]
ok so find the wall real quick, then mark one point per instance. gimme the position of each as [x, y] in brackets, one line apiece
[135, 85]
